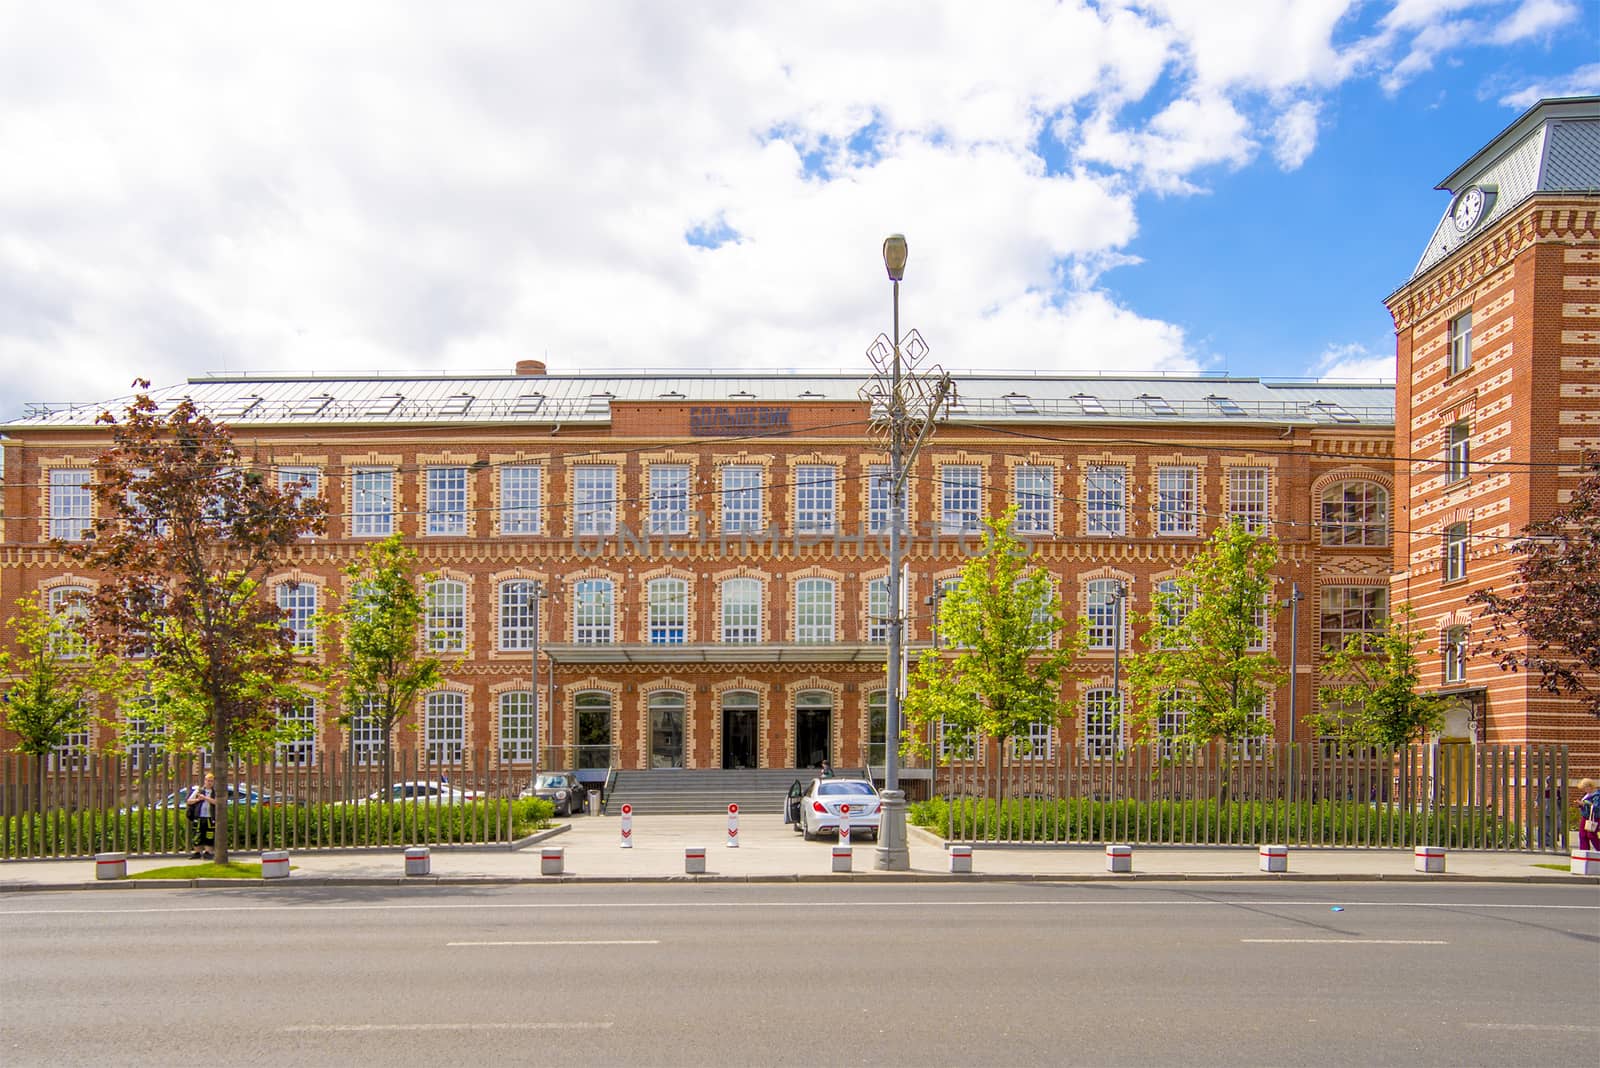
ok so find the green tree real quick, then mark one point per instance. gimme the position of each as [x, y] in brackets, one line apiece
[1006, 650]
[381, 669]
[184, 535]
[1374, 699]
[53, 680]
[1205, 650]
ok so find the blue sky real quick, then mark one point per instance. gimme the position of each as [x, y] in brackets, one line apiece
[1112, 185]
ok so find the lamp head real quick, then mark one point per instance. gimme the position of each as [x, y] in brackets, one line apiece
[894, 256]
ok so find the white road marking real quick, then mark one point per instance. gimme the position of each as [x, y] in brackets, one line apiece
[301, 1029]
[593, 942]
[1347, 941]
[1583, 1028]
[854, 905]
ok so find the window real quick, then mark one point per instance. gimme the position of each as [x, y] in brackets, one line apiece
[1352, 610]
[447, 500]
[519, 726]
[957, 743]
[1355, 513]
[877, 727]
[298, 603]
[144, 737]
[813, 610]
[445, 628]
[299, 722]
[70, 503]
[1105, 505]
[669, 611]
[1172, 716]
[594, 729]
[72, 753]
[521, 499]
[741, 499]
[1455, 654]
[878, 610]
[1460, 343]
[1173, 606]
[1458, 453]
[1034, 494]
[1247, 496]
[1107, 618]
[878, 486]
[591, 612]
[1177, 495]
[959, 504]
[1455, 552]
[1254, 746]
[71, 605]
[669, 498]
[1102, 724]
[519, 621]
[372, 502]
[813, 499]
[594, 492]
[1037, 744]
[741, 611]
[366, 737]
[1259, 642]
[445, 727]
[304, 481]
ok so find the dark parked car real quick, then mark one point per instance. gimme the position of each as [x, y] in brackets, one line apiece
[561, 789]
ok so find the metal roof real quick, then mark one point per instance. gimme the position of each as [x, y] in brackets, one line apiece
[418, 399]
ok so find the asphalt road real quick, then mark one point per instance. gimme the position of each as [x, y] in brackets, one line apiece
[982, 973]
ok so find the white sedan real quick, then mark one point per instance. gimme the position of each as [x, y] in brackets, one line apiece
[434, 793]
[822, 807]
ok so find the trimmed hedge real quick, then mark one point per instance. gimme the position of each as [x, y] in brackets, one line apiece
[354, 826]
[1212, 823]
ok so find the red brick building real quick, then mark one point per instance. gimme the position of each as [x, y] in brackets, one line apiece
[713, 544]
[1498, 401]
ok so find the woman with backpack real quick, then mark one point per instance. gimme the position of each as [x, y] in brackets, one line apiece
[1588, 815]
[202, 812]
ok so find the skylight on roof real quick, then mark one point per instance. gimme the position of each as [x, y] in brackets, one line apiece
[1159, 405]
[1334, 411]
[599, 403]
[382, 405]
[171, 403]
[1227, 405]
[671, 394]
[812, 394]
[527, 404]
[743, 394]
[1090, 404]
[1022, 404]
[311, 405]
[238, 406]
[457, 405]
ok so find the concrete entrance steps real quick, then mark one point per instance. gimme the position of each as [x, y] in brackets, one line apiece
[686, 791]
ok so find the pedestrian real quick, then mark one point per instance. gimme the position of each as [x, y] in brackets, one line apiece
[1588, 815]
[827, 769]
[203, 805]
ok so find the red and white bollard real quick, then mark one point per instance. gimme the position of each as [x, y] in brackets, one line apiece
[552, 860]
[1274, 858]
[418, 860]
[1429, 858]
[111, 865]
[694, 860]
[842, 857]
[733, 826]
[1585, 862]
[960, 860]
[627, 826]
[1119, 858]
[844, 825]
[275, 864]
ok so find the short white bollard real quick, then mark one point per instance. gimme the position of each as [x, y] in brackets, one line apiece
[1274, 858]
[960, 860]
[627, 826]
[694, 860]
[552, 860]
[1119, 858]
[275, 864]
[111, 865]
[733, 826]
[1586, 862]
[1429, 859]
[418, 860]
[843, 857]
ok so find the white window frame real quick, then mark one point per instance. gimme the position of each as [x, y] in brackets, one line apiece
[1455, 654]
[445, 624]
[594, 493]
[1172, 717]
[1456, 540]
[1107, 614]
[669, 499]
[1460, 342]
[516, 616]
[1177, 501]
[1458, 452]
[878, 505]
[302, 751]
[71, 502]
[447, 500]
[297, 601]
[444, 726]
[1347, 611]
[521, 499]
[960, 498]
[1355, 512]
[668, 611]
[1105, 507]
[814, 600]
[594, 611]
[1103, 741]
[517, 722]
[290, 479]
[957, 744]
[815, 498]
[741, 499]
[878, 610]
[72, 604]
[364, 736]
[1034, 494]
[372, 502]
[1250, 497]
[741, 611]
[1039, 743]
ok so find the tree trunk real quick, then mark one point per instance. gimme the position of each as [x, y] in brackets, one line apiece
[38, 787]
[219, 764]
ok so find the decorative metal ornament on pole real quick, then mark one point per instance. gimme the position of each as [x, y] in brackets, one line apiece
[903, 399]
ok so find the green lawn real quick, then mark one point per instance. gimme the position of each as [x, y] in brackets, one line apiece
[207, 870]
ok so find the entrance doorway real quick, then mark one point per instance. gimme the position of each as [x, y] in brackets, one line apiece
[666, 729]
[739, 718]
[813, 728]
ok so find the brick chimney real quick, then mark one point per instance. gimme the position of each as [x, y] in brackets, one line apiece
[530, 367]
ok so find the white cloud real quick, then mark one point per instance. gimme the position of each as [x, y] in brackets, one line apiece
[1295, 135]
[1584, 81]
[1534, 18]
[1353, 361]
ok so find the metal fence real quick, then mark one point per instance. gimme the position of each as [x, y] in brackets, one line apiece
[1487, 797]
[100, 803]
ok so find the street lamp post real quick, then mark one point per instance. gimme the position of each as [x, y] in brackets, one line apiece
[1117, 599]
[534, 594]
[1295, 597]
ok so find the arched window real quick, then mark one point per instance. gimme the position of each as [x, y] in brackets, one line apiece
[669, 611]
[445, 726]
[878, 610]
[741, 611]
[298, 603]
[1107, 614]
[592, 611]
[1102, 724]
[299, 720]
[1355, 512]
[594, 729]
[70, 604]
[446, 627]
[519, 726]
[813, 610]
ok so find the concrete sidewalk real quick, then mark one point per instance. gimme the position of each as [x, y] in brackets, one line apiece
[771, 852]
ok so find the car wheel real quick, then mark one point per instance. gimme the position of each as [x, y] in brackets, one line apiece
[806, 832]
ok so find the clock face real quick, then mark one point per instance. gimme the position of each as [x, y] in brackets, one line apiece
[1469, 206]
